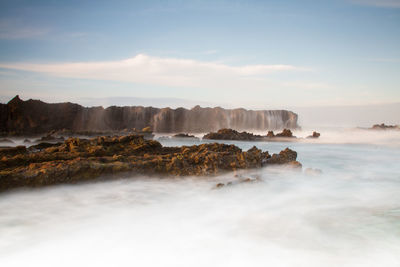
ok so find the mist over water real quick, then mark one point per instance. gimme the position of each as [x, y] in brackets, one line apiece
[347, 216]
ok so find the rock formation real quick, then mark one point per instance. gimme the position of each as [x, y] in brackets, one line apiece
[77, 160]
[230, 134]
[314, 135]
[19, 117]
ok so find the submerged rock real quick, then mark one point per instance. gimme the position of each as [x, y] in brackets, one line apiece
[77, 160]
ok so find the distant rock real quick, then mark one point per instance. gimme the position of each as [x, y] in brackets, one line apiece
[314, 135]
[285, 133]
[34, 117]
[383, 126]
[185, 135]
[230, 134]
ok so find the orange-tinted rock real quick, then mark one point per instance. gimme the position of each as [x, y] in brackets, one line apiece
[78, 160]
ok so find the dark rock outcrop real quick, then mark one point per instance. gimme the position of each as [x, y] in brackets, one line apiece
[230, 134]
[19, 117]
[314, 135]
[78, 160]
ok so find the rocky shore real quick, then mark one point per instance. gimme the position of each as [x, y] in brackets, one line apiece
[76, 160]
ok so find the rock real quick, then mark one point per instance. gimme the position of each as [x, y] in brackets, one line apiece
[33, 117]
[11, 151]
[230, 134]
[184, 135]
[314, 135]
[27, 141]
[50, 138]
[219, 185]
[383, 126]
[285, 133]
[270, 134]
[284, 157]
[77, 160]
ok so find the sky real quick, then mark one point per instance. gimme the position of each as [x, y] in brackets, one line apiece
[252, 54]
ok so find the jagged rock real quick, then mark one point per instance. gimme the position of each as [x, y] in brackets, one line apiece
[314, 135]
[270, 134]
[32, 117]
[78, 160]
[285, 133]
[284, 157]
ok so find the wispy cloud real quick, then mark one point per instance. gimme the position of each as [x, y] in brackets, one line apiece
[145, 69]
[11, 29]
[379, 3]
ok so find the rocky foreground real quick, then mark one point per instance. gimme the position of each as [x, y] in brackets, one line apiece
[77, 160]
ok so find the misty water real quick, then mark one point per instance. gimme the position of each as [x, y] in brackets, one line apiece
[349, 215]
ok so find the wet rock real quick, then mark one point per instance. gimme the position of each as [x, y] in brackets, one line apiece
[50, 138]
[285, 133]
[270, 134]
[184, 135]
[284, 157]
[77, 160]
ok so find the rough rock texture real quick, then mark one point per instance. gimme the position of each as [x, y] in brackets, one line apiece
[36, 117]
[78, 160]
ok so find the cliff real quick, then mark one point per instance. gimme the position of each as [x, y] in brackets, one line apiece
[19, 117]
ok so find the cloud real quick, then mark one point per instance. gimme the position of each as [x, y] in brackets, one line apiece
[11, 29]
[174, 72]
[379, 3]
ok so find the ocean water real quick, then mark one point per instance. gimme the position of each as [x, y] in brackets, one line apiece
[348, 215]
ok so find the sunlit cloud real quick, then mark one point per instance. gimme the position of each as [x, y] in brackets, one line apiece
[145, 69]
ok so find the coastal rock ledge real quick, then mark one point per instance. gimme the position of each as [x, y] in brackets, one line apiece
[77, 160]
